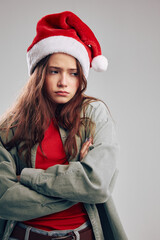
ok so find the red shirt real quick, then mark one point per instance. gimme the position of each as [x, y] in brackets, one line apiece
[53, 153]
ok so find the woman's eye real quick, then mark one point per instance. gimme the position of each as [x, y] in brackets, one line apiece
[53, 72]
[74, 74]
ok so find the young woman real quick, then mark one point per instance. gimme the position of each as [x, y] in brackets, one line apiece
[58, 147]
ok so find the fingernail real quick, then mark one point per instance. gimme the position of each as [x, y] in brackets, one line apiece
[91, 147]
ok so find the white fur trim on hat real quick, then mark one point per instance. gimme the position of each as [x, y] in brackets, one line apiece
[99, 63]
[58, 44]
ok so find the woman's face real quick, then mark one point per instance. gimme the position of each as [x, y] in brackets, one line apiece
[62, 78]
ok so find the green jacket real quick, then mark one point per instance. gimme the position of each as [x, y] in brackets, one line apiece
[42, 192]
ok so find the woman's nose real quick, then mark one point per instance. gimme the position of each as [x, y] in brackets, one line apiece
[62, 80]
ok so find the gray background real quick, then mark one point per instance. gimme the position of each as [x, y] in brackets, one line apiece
[129, 33]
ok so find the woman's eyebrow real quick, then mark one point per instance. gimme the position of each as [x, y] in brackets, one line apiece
[58, 68]
[72, 69]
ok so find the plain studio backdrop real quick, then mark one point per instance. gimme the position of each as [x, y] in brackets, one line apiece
[129, 34]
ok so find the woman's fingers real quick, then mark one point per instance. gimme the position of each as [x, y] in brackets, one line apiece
[85, 147]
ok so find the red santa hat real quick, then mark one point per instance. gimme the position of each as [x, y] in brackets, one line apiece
[65, 32]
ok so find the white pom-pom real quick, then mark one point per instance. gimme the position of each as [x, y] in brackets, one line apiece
[99, 63]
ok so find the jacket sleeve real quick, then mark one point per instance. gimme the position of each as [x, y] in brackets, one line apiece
[88, 180]
[19, 202]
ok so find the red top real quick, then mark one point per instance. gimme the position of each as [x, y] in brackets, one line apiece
[53, 153]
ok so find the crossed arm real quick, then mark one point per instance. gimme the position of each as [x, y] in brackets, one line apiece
[83, 152]
[41, 192]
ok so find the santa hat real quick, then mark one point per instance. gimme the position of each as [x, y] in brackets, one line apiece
[65, 32]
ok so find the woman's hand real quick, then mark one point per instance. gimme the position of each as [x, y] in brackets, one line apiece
[85, 147]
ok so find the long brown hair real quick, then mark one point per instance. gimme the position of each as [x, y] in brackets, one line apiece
[33, 111]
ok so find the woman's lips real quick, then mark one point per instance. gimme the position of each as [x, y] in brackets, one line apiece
[62, 93]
